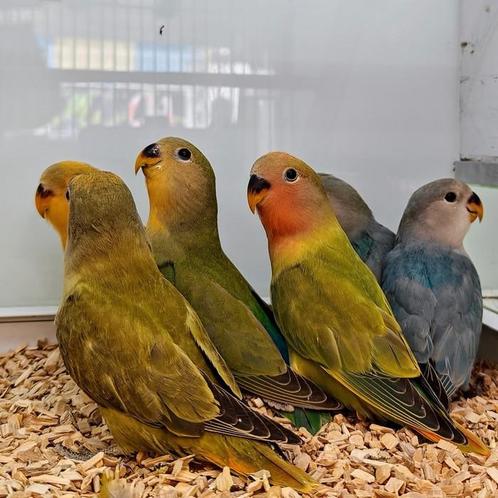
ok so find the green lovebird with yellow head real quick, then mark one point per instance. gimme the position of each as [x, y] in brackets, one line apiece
[131, 341]
[338, 324]
[183, 231]
[50, 197]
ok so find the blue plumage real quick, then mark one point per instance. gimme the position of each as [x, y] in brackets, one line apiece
[432, 284]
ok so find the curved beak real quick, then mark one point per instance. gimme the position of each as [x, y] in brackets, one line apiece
[42, 200]
[475, 208]
[257, 189]
[150, 156]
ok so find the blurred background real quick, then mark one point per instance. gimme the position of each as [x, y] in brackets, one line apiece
[388, 95]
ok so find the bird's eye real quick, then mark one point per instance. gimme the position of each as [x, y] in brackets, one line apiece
[450, 197]
[184, 154]
[290, 175]
[67, 194]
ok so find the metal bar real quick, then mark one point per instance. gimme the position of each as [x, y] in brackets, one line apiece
[179, 78]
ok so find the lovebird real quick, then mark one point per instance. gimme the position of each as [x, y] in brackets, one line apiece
[339, 327]
[371, 240]
[50, 197]
[431, 283]
[135, 346]
[183, 230]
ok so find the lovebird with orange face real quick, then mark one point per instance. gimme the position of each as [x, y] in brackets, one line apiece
[133, 344]
[183, 231]
[50, 197]
[338, 324]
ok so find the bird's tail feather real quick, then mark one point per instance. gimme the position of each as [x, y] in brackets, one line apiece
[311, 420]
[246, 457]
[473, 445]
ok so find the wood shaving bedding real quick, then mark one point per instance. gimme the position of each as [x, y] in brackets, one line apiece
[53, 443]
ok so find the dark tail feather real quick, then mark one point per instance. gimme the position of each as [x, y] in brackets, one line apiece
[436, 383]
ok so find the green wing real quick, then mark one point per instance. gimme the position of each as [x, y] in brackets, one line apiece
[332, 317]
[248, 349]
[344, 325]
[242, 341]
[122, 360]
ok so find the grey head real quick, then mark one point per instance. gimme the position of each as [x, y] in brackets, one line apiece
[440, 212]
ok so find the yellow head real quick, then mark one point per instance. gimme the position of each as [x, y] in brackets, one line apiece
[50, 198]
[181, 187]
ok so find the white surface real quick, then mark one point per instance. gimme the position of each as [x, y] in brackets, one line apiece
[367, 90]
[479, 121]
[490, 318]
[32, 313]
[479, 79]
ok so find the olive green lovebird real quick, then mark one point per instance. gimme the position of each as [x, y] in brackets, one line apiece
[183, 231]
[131, 341]
[338, 324]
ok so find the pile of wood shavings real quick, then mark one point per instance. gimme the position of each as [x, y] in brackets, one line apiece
[44, 418]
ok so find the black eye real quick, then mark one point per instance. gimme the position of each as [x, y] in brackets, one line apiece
[67, 194]
[184, 154]
[450, 197]
[290, 175]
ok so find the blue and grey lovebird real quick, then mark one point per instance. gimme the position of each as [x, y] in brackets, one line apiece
[431, 283]
[371, 240]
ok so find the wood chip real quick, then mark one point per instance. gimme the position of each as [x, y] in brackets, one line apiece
[394, 485]
[382, 473]
[389, 441]
[53, 442]
[364, 476]
[493, 473]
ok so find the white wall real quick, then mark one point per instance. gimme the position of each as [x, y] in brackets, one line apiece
[367, 90]
[479, 121]
[479, 78]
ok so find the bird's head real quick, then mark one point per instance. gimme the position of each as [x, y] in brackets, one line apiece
[51, 195]
[180, 183]
[101, 206]
[443, 211]
[287, 194]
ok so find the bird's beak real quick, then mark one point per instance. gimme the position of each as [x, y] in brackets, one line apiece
[475, 208]
[150, 156]
[257, 190]
[42, 200]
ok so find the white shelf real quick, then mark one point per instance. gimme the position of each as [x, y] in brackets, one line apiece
[28, 313]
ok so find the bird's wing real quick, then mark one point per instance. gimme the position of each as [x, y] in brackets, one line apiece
[350, 325]
[237, 419]
[352, 335]
[437, 299]
[151, 379]
[119, 356]
[264, 314]
[237, 334]
[248, 350]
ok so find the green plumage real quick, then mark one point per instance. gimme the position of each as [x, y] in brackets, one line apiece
[338, 324]
[183, 232]
[131, 341]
